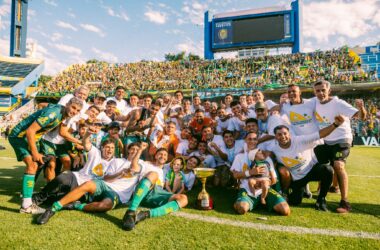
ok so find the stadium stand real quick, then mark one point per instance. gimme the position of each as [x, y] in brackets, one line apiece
[371, 59]
[337, 66]
[16, 75]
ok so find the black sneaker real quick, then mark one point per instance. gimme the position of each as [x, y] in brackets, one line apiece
[44, 218]
[39, 198]
[321, 205]
[71, 206]
[129, 220]
[307, 194]
[344, 207]
[142, 215]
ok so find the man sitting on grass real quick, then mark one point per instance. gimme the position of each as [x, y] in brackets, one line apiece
[150, 193]
[117, 187]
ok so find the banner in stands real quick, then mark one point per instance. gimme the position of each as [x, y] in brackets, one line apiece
[212, 93]
[367, 141]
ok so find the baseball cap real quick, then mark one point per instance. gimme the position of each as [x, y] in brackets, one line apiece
[260, 105]
[114, 125]
[101, 95]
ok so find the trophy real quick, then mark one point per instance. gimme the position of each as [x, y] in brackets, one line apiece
[204, 201]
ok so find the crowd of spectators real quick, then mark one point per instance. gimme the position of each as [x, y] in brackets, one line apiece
[336, 66]
[371, 126]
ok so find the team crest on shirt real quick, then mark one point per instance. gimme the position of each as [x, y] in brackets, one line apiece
[245, 167]
[159, 183]
[293, 163]
[98, 170]
[52, 115]
[323, 121]
[298, 119]
[43, 120]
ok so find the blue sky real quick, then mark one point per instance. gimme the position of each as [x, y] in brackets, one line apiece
[72, 31]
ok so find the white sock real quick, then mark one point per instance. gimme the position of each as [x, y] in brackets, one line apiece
[26, 202]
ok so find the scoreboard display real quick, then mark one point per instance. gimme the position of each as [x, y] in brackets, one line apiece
[251, 31]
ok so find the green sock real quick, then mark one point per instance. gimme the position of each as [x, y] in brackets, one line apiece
[56, 206]
[80, 206]
[140, 193]
[165, 209]
[27, 185]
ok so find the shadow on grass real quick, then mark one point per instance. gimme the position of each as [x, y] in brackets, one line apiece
[13, 210]
[11, 182]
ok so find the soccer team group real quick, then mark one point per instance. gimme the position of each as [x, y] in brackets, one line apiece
[96, 155]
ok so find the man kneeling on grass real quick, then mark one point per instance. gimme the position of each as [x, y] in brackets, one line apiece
[241, 170]
[117, 187]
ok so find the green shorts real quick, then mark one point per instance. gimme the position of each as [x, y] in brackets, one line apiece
[156, 197]
[21, 147]
[273, 198]
[57, 150]
[105, 192]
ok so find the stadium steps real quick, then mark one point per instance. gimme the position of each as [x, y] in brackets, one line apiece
[18, 112]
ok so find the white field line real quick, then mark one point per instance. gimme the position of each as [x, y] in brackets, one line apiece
[279, 228]
[364, 176]
[7, 158]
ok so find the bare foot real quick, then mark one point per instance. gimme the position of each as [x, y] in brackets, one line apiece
[263, 201]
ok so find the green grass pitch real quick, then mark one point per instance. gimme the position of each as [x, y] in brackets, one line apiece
[78, 230]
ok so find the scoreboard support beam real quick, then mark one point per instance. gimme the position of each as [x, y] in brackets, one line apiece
[19, 19]
[208, 54]
[298, 42]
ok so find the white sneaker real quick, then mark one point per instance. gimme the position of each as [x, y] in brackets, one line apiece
[32, 209]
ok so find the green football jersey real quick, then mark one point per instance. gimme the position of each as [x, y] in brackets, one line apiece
[48, 118]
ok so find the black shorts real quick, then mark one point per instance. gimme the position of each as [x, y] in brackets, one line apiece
[330, 153]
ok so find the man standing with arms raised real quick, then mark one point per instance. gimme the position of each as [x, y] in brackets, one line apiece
[337, 144]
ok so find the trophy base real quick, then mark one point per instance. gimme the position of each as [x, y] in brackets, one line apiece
[205, 204]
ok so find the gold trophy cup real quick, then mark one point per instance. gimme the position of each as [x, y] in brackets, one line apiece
[204, 201]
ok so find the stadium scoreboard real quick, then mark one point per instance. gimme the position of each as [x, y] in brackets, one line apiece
[272, 27]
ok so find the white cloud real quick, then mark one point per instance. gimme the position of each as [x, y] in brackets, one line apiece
[189, 46]
[156, 16]
[4, 46]
[72, 15]
[51, 2]
[174, 32]
[337, 17]
[56, 36]
[107, 56]
[31, 12]
[66, 25]
[67, 48]
[376, 18]
[5, 8]
[122, 15]
[92, 28]
[194, 11]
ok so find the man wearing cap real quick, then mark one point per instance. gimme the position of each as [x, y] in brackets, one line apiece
[113, 130]
[100, 100]
[299, 165]
[267, 122]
